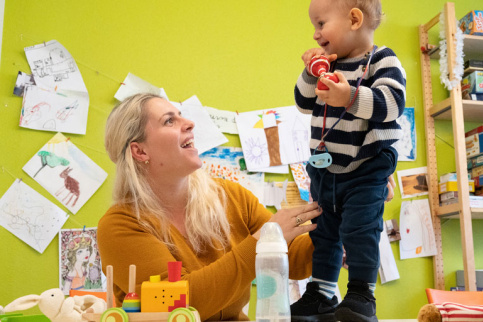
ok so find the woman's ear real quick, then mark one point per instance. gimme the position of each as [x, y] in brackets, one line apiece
[357, 18]
[137, 152]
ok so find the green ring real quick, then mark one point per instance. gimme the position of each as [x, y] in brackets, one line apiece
[188, 312]
[118, 310]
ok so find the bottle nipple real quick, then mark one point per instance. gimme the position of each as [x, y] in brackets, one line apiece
[271, 239]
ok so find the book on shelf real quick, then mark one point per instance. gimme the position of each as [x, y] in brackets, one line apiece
[478, 182]
[472, 65]
[472, 86]
[475, 202]
[474, 144]
[445, 196]
[477, 171]
[451, 176]
[453, 186]
[476, 130]
[460, 278]
[462, 288]
[470, 23]
[475, 161]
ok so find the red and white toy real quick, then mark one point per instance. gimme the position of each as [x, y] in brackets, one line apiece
[330, 76]
[319, 67]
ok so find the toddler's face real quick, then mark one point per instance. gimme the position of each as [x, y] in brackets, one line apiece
[332, 25]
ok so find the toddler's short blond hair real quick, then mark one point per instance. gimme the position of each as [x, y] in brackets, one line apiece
[372, 10]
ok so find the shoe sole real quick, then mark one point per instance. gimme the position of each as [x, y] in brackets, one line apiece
[329, 317]
[344, 314]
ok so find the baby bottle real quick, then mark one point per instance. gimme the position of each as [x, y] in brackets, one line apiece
[271, 264]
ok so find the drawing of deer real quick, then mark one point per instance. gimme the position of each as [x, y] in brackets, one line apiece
[70, 184]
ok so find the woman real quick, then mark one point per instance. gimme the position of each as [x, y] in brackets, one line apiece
[167, 209]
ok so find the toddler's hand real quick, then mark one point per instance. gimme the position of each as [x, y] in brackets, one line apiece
[338, 94]
[391, 185]
[307, 56]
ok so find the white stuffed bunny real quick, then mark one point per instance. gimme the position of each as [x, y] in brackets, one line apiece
[53, 304]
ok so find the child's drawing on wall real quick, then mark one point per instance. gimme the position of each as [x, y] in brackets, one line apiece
[406, 146]
[80, 263]
[65, 172]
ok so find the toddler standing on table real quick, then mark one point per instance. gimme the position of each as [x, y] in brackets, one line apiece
[355, 123]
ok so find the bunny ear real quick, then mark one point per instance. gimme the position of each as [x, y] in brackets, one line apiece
[22, 303]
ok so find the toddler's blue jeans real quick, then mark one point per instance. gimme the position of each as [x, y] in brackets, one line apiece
[353, 205]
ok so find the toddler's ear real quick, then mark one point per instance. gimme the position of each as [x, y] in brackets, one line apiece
[357, 17]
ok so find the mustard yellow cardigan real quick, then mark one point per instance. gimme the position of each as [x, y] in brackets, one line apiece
[219, 280]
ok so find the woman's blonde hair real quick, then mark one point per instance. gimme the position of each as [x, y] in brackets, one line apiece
[372, 10]
[206, 222]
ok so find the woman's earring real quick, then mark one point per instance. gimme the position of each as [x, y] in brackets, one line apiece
[146, 162]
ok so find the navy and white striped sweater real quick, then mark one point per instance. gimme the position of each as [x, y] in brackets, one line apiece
[369, 126]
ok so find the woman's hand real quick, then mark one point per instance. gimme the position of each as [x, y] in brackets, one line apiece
[391, 184]
[290, 220]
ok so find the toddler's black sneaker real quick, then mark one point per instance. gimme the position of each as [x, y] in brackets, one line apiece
[359, 305]
[313, 306]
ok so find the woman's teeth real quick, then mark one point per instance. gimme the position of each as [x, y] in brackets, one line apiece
[188, 143]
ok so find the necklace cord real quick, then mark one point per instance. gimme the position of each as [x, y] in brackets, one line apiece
[321, 145]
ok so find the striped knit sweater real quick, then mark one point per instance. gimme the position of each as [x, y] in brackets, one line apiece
[369, 125]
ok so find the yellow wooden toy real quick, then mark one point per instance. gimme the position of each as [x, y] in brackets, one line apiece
[174, 309]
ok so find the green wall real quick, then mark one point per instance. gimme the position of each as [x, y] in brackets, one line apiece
[234, 55]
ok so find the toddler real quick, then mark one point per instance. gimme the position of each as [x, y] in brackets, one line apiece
[353, 122]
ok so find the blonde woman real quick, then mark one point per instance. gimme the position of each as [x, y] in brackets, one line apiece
[167, 209]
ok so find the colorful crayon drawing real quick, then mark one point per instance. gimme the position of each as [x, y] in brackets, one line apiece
[50, 159]
[30, 216]
[79, 260]
[406, 146]
[52, 111]
[58, 101]
[302, 179]
[65, 112]
[66, 172]
[413, 182]
[32, 114]
[417, 234]
[229, 163]
[274, 137]
[71, 185]
[269, 121]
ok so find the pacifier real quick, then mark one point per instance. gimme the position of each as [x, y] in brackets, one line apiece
[322, 160]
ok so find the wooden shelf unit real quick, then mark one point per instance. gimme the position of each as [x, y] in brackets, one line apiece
[472, 110]
[456, 109]
[472, 45]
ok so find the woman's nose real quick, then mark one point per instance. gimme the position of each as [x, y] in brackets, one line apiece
[189, 125]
